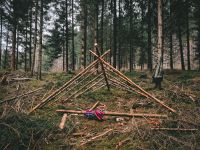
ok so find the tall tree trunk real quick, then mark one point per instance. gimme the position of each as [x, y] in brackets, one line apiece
[35, 38]
[119, 37]
[6, 51]
[102, 29]
[149, 64]
[17, 49]
[39, 68]
[30, 38]
[73, 50]
[181, 46]
[66, 37]
[26, 48]
[14, 31]
[131, 35]
[188, 35]
[63, 49]
[85, 34]
[1, 37]
[171, 38]
[142, 56]
[160, 32]
[114, 33]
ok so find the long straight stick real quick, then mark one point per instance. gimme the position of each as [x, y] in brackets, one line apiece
[116, 114]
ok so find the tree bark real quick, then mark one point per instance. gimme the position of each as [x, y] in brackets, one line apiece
[130, 35]
[30, 38]
[66, 36]
[73, 50]
[114, 33]
[6, 51]
[1, 37]
[171, 38]
[102, 29]
[26, 48]
[149, 35]
[14, 31]
[181, 46]
[160, 32]
[17, 50]
[39, 68]
[119, 37]
[85, 34]
[35, 38]
[188, 35]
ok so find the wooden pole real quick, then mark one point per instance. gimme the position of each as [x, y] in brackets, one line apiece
[94, 106]
[140, 115]
[134, 84]
[54, 94]
[103, 69]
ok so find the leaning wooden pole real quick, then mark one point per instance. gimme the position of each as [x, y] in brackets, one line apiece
[132, 83]
[102, 67]
[107, 113]
[54, 94]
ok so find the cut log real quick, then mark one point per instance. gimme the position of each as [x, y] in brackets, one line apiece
[141, 115]
[63, 120]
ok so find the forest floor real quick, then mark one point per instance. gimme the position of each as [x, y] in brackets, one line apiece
[39, 130]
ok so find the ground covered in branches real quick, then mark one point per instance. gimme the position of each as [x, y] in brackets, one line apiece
[40, 129]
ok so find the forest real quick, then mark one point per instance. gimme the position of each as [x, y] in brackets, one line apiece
[130, 67]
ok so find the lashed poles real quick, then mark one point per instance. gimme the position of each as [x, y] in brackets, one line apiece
[131, 88]
[89, 87]
[132, 83]
[140, 115]
[67, 92]
[83, 87]
[67, 84]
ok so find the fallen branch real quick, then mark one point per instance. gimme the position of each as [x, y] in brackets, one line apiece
[13, 98]
[96, 137]
[117, 114]
[174, 129]
[121, 143]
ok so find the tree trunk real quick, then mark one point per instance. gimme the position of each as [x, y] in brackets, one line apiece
[35, 38]
[160, 32]
[171, 38]
[85, 34]
[73, 50]
[1, 37]
[119, 37]
[102, 29]
[181, 46]
[114, 33]
[17, 50]
[6, 51]
[39, 68]
[131, 35]
[142, 56]
[188, 36]
[26, 48]
[13, 63]
[149, 35]
[30, 39]
[63, 49]
[66, 37]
